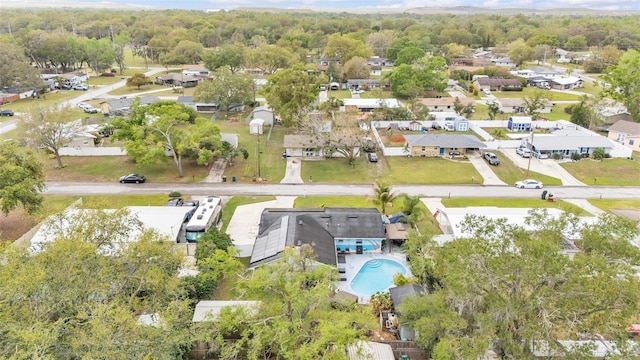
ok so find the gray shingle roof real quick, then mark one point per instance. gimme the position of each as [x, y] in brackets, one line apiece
[445, 141]
[626, 127]
[399, 293]
[280, 228]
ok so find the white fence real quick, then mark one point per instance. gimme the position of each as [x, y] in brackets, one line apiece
[92, 151]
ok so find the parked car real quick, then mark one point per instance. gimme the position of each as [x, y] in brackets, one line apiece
[454, 152]
[492, 158]
[529, 184]
[7, 112]
[133, 178]
[436, 126]
[83, 105]
[373, 157]
[82, 87]
[357, 91]
[175, 202]
[486, 91]
[524, 152]
[90, 110]
[194, 203]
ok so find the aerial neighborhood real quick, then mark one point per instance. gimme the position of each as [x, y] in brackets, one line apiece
[278, 184]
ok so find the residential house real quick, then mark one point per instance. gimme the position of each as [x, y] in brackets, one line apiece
[503, 61]
[543, 71]
[313, 147]
[517, 106]
[121, 106]
[612, 114]
[194, 70]
[519, 123]
[265, 113]
[199, 106]
[363, 84]
[368, 105]
[375, 70]
[185, 81]
[565, 83]
[398, 295]
[496, 84]
[379, 61]
[566, 142]
[326, 230]
[82, 139]
[430, 145]
[73, 78]
[445, 103]
[626, 133]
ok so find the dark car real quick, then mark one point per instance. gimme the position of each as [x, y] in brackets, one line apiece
[6, 112]
[133, 178]
[436, 126]
[175, 202]
[194, 203]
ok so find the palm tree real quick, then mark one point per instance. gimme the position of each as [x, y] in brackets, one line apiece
[383, 196]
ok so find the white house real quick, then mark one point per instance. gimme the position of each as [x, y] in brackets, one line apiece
[368, 105]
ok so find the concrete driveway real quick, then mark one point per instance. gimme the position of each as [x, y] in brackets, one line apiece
[245, 222]
[547, 167]
[292, 174]
[485, 170]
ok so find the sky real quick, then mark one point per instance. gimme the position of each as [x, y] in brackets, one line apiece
[336, 5]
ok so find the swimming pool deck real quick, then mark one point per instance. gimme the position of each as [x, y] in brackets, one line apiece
[353, 263]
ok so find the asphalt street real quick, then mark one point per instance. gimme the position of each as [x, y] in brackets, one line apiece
[440, 191]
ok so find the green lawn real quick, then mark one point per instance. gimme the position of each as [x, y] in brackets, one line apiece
[54, 204]
[617, 172]
[393, 169]
[339, 94]
[557, 113]
[514, 203]
[608, 204]
[419, 170]
[234, 202]
[120, 201]
[125, 90]
[509, 172]
[110, 168]
[135, 61]
[272, 166]
[49, 99]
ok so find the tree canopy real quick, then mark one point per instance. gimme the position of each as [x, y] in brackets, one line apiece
[68, 300]
[165, 128]
[512, 289]
[21, 179]
[226, 89]
[624, 79]
[291, 92]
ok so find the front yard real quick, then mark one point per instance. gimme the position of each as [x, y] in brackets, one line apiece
[393, 170]
[509, 172]
[616, 172]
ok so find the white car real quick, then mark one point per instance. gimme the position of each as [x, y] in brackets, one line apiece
[529, 184]
[81, 87]
[524, 152]
[357, 91]
[83, 105]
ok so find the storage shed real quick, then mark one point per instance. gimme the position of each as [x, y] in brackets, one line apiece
[519, 123]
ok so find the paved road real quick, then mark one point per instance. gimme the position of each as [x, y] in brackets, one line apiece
[8, 125]
[443, 191]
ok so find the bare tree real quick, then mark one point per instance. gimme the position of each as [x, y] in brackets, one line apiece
[342, 135]
[49, 128]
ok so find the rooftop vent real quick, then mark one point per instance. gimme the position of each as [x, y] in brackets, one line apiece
[199, 217]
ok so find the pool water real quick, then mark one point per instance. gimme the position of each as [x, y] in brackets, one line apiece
[376, 275]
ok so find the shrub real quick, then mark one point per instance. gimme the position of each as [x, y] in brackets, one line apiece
[557, 156]
[576, 156]
[174, 194]
[598, 154]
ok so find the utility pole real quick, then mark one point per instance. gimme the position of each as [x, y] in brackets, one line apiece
[259, 174]
[530, 156]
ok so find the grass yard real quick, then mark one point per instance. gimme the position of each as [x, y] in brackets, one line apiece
[557, 113]
[231, 205]
[609, 204]
[125, 90]
[514, 203]
[419, 170]
[528, 91]
[426, 223]
[509, 172]
[46, 100]
[272, 166]
[120, 201]
[136, 61]
[110, 168]
[616, 172]
[18, 222]
[339, 94]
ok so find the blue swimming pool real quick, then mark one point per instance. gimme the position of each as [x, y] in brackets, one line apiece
[376, 275]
